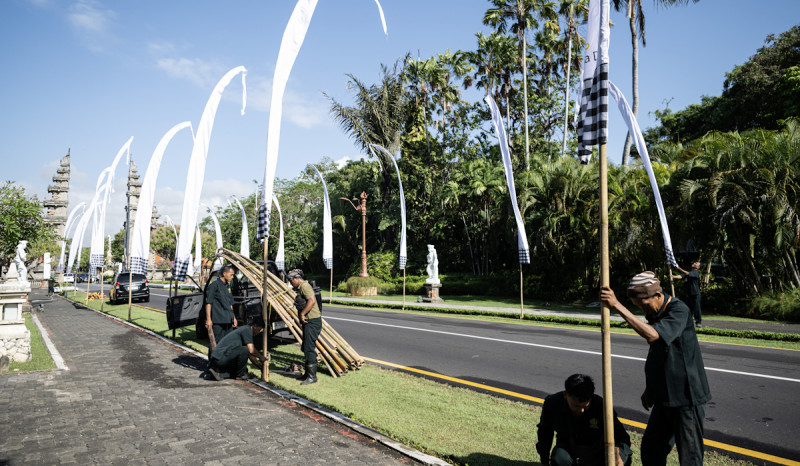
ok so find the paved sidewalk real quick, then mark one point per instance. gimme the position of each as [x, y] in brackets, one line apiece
[129, 398]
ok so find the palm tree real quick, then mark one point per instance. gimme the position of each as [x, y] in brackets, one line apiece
[519, 13]
[636, 23]
[377, 117]
[421, 74]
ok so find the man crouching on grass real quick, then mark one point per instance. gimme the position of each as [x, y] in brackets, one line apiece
[229, 359]
[675, 379]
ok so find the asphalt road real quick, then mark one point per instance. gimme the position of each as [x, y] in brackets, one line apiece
[754, 405]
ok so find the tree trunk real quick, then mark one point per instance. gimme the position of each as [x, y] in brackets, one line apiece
[566, 92]
[792, 266]
[523, 43]
[626, 151]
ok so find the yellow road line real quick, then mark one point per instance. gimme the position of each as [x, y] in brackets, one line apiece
[150, 308]
[639, 425]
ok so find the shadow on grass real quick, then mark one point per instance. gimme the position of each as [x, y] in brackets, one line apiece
[488, 459]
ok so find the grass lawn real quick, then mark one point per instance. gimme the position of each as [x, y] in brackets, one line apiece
[40, 359]
[457, 424]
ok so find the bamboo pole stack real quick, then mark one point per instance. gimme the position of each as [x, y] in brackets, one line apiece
[332, 349]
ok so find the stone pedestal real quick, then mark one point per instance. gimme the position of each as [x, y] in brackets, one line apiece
[15, 339]
[432, 292]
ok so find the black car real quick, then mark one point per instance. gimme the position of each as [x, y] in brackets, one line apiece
[119, 288]
[83, 277]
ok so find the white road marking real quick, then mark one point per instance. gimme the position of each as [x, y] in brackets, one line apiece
[560, 348]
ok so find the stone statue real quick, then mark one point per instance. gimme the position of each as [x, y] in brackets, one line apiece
[19, 260]
[433, 266]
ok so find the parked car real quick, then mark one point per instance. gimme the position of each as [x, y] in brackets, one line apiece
[83, 277]
[119, 288]
[69, 278]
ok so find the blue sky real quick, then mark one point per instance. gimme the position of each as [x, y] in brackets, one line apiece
[88, 74]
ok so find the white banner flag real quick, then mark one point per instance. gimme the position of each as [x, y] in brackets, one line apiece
[140, 242]
[522, 238]
[638, 139]
[244, 240]
[217, 234]
[71, 221]
[593, 122]
[197, 170]
[327, 229]
[96, 257]
[280, 257]
[403, 252]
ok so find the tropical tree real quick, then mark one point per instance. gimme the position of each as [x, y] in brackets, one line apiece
[635, 15]
[21, 218]
[378, 116]
[516, 15]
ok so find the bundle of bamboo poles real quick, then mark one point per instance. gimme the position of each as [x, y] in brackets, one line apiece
[334, 351]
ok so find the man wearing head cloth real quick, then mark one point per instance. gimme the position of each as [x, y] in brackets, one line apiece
[308, 312]
[675, 380]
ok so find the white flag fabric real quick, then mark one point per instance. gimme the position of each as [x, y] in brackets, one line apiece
[140, 242]
[593, 122]
[217, 233]
[522, 238]
[280, 258]
[96, 257]
[403, 252]
[244, 247]
[77, 236]
[327, 228]
[383, 19]
[71, 219]
[169, 222]
[638, 139]
[198, 251]
[197, 170]
[293, 37]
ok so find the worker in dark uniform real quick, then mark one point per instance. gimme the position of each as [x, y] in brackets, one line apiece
[220, 318]
[229, 359]
[692, 291]
[575, 415]
[311, 318]
[676, 387]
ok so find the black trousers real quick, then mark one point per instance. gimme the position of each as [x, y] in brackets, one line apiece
[693, 301]
[311, 332]
[667, 427]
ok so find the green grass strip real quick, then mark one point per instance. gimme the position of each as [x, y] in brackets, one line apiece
[40, 357]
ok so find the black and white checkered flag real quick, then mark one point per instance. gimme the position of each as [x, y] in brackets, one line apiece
[263, 222]
[95, 261]
[593, 122]
[139, 265]
[181, 269]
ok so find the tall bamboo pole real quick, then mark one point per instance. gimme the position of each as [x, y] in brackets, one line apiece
[521, 303]
[404, 289]
[671, 281]
[102, 291]
[608, 401]
[264, 314]
[330, 299]
[130, 289]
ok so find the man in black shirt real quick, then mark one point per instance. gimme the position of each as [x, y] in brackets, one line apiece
[676, 387]
[692, 291]
[220, 318]
[575, 415]
[229, 359]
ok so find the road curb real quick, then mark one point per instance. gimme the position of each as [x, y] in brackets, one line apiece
[332, 415]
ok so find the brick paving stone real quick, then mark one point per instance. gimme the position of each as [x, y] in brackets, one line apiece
[129, 398]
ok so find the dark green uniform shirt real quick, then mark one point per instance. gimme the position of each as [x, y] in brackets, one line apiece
[582, 437]
[674, 369]
[307, 292]
[218, 294]
[227, 348]
[692, 286]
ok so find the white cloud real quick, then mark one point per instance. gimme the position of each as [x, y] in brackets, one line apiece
[202, 73]
[304, 110]
[342, 161]
[92, 22]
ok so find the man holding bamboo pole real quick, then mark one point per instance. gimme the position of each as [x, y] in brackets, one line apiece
[676, 387]
[311, 318]
[229, 359]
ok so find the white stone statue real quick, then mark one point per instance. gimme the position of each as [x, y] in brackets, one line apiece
[433, 266]
[19, 260]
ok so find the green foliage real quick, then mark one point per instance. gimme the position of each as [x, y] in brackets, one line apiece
[21, 218]
[761, 93]
[357, 283]
[783, 306]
